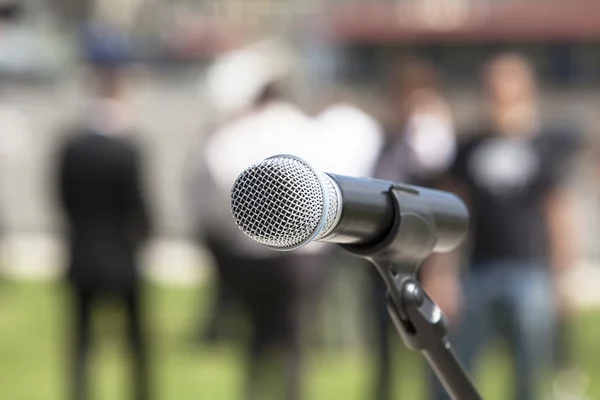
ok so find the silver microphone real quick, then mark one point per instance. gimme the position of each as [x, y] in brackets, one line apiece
[284, 203]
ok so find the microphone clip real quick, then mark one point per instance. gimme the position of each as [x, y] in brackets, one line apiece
[418, 320]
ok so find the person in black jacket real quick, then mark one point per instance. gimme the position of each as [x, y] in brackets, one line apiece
[100, 192]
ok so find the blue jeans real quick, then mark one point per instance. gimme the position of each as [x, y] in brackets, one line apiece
[515, 300]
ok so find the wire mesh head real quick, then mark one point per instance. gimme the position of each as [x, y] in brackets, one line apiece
[283, 203]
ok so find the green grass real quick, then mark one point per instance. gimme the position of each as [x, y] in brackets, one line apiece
[34, 337]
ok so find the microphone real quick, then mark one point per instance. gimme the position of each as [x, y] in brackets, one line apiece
[284, 203]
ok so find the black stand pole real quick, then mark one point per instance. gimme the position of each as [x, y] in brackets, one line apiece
[421, 325]
[418, 320]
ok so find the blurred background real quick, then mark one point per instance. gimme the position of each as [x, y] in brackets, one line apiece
[370, 56]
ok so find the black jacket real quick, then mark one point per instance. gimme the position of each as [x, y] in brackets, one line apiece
[100, 192]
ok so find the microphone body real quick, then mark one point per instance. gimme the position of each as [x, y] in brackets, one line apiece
[366, 213]
[283, 203]
[368, 210]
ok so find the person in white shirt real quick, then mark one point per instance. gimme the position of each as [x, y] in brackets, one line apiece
[258, 121]
[275, 288]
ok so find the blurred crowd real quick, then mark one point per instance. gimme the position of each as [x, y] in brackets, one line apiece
[513, 170]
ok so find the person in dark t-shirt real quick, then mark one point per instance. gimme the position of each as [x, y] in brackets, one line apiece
[511, 173]
[508, 181]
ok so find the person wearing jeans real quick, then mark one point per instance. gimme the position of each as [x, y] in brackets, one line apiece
[513, 299]
[511, 175]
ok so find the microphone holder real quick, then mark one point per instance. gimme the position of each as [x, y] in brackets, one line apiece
[419, 321]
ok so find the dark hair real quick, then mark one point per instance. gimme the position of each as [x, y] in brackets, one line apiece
[413, 74]
[409, 76]
[11, 11]
[271, 92]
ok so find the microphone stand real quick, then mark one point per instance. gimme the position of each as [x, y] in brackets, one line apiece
[418, 320]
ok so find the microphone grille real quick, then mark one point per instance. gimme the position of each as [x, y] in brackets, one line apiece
[283, 203]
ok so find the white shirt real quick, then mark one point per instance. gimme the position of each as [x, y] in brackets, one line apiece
[432, 141]
[15, 135]
[341, 141]
[352, 138]
[278, 128]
